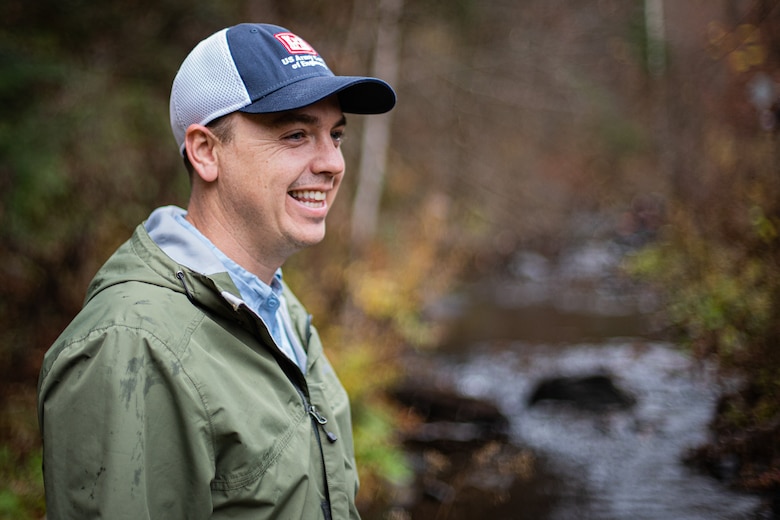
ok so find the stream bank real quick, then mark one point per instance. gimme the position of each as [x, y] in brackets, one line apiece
[558, 459]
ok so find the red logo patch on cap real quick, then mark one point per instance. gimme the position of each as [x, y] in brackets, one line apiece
[294, 44]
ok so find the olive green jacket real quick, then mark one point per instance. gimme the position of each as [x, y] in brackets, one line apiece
[166, 398]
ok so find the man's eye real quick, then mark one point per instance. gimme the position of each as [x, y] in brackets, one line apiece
[337, 136]
[297, 136]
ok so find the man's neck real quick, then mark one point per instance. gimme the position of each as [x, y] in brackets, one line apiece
[225, 241]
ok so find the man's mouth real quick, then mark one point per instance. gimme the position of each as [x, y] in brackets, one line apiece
[309, 198]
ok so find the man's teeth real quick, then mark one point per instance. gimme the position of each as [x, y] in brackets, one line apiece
[309, 195]
[309, 198]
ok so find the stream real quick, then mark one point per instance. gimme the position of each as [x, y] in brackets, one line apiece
[564, 462]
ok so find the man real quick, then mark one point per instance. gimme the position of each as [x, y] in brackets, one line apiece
[192, 384]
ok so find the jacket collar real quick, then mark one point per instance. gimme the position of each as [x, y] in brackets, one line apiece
[188, 266]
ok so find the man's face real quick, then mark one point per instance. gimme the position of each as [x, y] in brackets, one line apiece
[279, 175]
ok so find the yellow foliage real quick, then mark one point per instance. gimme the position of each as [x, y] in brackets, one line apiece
[398, 279]
[743, 48]
[381, 297]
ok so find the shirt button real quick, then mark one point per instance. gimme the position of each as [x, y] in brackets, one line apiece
[273, 302]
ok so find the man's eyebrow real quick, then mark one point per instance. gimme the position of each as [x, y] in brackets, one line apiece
[291, 118]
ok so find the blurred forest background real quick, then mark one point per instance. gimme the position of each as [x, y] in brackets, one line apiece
[518, 123]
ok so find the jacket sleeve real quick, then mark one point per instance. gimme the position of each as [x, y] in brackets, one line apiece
[125, 432]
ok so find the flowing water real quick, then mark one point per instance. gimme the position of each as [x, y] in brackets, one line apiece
[611, 465]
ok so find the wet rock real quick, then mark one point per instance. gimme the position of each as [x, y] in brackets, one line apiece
[746, 458]
[723, 465]
[448, 420]
[591, 393]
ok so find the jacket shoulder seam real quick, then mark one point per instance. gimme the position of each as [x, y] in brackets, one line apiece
[152, 335]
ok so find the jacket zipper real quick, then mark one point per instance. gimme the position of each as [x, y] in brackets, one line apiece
[298, 380]
[318, 420]
[322, 421]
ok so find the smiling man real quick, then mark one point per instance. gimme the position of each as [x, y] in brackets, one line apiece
[278, 170]
[192, 383]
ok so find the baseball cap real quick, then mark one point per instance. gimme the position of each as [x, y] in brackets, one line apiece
[262, 68]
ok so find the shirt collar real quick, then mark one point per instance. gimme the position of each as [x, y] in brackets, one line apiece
[256, 293]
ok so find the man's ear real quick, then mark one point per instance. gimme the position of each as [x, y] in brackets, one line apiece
[200, 145]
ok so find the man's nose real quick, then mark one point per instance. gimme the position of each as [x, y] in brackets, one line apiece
[329, 159]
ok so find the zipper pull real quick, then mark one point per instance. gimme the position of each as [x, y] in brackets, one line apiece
[180, 276]
[322, 421]
[308, 330]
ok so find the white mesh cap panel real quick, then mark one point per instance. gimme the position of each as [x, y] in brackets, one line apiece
[206, 87]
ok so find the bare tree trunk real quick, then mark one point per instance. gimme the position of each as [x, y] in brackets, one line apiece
[655, 34]
[656, 37]
[376, 133]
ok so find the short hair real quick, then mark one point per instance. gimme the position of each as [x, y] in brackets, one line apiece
[222, 128]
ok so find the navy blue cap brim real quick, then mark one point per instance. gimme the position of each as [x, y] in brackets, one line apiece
[357, 95]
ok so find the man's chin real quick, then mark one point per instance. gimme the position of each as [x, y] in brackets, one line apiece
[312, 238]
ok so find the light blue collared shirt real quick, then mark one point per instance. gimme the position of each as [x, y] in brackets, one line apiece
[266, 301]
